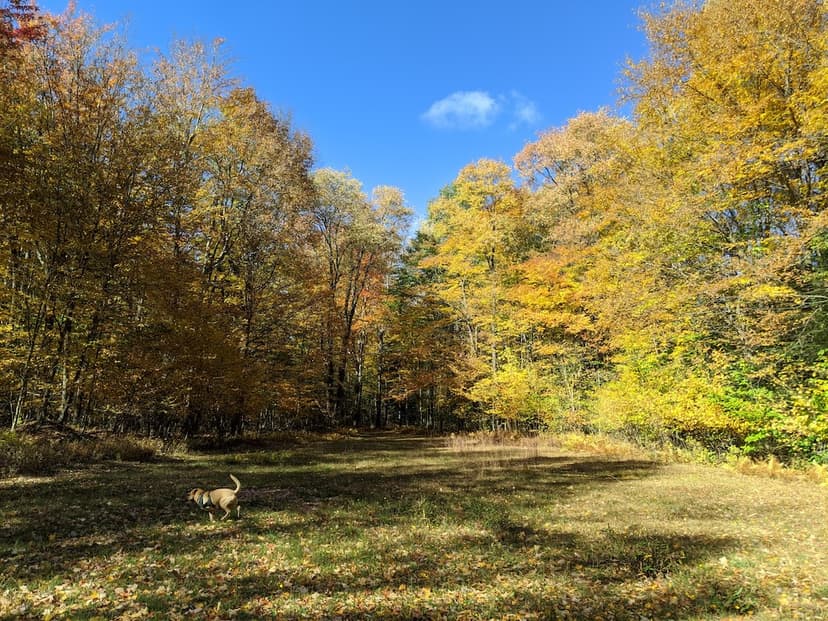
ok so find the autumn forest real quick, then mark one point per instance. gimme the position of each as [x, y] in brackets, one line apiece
[173, 263]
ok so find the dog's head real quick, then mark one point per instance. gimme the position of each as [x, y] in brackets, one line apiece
[194, 493]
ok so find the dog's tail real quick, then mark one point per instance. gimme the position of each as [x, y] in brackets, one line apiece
[238, 485]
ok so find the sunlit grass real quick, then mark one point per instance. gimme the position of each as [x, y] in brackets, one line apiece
[404, 527]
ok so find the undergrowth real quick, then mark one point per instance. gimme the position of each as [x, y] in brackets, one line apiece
[621, 448]
[40, 454]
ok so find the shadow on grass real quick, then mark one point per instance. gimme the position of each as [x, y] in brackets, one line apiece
[335, 503]
[412, 583]
[119, 506]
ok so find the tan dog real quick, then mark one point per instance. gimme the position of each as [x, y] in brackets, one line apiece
[222, 498]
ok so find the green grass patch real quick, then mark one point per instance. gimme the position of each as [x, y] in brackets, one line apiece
[388, 526]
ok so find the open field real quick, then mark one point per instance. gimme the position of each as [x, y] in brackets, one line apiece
[395, 526]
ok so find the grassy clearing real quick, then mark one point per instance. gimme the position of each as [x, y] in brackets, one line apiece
[389, 526]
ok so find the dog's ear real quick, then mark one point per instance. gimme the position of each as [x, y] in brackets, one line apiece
[191, 494]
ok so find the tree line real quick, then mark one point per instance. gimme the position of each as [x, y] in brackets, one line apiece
[171, 262]
[662, 275]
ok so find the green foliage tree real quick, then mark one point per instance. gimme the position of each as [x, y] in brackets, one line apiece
[423, 340]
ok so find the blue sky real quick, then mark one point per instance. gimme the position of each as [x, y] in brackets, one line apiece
[406, 93]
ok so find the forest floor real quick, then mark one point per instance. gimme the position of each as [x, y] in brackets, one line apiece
[404, 527]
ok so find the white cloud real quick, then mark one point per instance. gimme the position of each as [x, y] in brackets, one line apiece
[463, 110]
[524, 110]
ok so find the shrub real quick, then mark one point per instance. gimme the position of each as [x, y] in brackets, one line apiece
[36, 454]
[20, 454]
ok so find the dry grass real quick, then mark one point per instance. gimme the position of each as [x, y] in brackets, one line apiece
[46, 452]
[773, 468]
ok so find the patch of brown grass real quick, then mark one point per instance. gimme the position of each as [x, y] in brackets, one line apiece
[46, 451]
[774, 469]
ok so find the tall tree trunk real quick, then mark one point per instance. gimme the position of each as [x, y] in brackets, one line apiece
[340, 409]
[380, 371]
[17, 414]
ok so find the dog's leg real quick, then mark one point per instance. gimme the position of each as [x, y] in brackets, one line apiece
[211, 516]
[226, 513]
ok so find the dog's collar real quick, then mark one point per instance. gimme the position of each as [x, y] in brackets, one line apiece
[204, 500]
